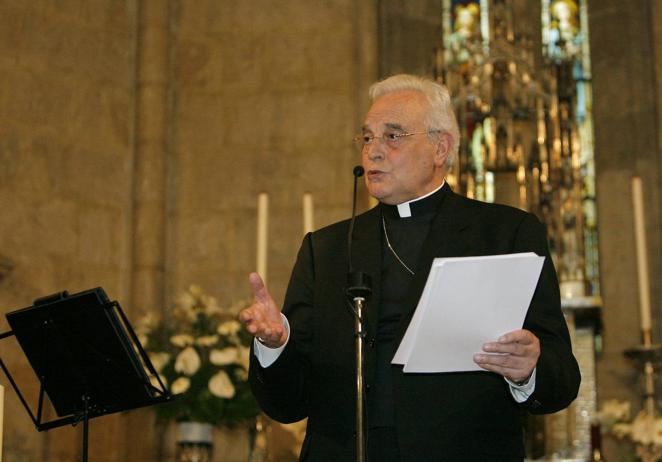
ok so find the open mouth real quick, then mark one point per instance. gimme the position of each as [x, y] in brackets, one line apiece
[375, 173]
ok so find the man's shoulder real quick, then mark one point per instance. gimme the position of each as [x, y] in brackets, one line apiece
[490, 211]
[340, 228]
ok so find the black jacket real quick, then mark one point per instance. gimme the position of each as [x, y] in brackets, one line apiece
[439, 417]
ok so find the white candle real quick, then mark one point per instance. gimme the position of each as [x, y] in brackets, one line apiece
[642, 257]
[262, 229]
[308, 222]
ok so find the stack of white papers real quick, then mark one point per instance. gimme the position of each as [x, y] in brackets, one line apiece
[467, 302]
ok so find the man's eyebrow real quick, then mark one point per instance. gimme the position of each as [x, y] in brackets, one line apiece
[390, 125]
[394, 126]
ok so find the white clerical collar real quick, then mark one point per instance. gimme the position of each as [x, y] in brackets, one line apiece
[404, 210]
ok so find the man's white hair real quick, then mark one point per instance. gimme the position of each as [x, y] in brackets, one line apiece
[440, 115]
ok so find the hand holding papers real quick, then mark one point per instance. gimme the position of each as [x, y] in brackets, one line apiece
[466, 302]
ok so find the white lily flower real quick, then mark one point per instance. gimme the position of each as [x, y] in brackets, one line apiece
[207, 340]
[614, 411]
[210, 303]
[155, 382]
[195, 290]
[241, 374]
[220, 385]
[181, 340]
[146, 324]
[642, 428]
[185, 301]
[621, 430]
[244, 357]
[159, 360]
[180, 385]
[188, 361]
[223, 357]
[229, 328]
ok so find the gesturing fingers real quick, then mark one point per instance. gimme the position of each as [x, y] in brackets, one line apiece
[263, 319]
[260, 291]
[271, 335]
[246, 315]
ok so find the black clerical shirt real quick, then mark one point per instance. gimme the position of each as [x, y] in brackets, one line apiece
[406, 235]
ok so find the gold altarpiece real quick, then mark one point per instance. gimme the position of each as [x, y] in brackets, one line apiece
[522, 93]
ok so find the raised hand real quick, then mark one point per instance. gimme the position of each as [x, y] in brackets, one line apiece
[262, 319]
[520, 352]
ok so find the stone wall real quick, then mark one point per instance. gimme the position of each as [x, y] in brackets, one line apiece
[66, 153]
[134, 139]
[263, 99]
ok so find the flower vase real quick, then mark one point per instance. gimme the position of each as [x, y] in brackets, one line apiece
[194, 442]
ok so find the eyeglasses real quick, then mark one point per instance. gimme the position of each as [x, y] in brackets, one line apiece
[391, 139]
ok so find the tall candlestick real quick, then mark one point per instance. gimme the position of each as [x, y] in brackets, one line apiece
[642, 258]
[308, 222]
[262, 231]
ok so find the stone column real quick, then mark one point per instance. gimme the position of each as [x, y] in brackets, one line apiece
[149, 196]
[366, 38]
[150, 156]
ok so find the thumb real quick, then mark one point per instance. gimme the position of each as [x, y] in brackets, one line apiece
[259, 289]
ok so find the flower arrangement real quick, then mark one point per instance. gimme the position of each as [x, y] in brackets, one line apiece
[201, 353]
[644, 431]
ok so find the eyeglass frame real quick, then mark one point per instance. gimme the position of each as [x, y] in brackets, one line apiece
[359, 140]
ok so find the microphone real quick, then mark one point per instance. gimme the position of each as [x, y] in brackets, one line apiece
[359, 283]
[358, 172]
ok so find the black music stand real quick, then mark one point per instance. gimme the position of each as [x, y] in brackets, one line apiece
[86, 357]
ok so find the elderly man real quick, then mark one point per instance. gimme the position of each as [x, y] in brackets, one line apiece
[304, 359]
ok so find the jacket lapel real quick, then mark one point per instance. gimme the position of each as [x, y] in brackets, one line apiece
[367, 257]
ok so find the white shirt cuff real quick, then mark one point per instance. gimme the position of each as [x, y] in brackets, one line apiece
[522, 392]
[267, 356]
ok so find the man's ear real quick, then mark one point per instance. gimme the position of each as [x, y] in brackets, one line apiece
[444, 148]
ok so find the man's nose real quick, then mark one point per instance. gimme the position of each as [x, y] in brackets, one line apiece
[374, 150]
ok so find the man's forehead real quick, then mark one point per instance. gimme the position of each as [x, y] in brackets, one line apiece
[396, 110]
[386, 125]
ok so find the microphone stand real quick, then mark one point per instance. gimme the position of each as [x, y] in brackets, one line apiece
[358, 293]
